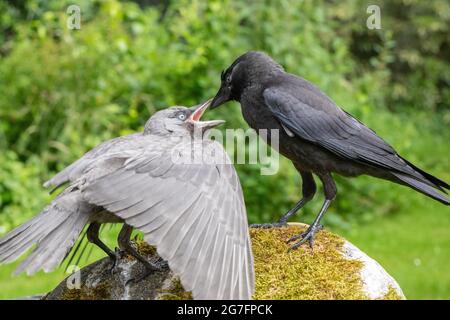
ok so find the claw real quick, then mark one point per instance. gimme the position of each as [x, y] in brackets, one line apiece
[118, 254]
[308, 235]
[141, 277]
[160, 265]
[294, 238]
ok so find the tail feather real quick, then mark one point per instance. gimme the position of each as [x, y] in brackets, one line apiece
[438, 183]
[54, 232]
[22, 238]
[422, 187]
[74, 252]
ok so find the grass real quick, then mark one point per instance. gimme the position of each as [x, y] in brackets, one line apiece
[414, 247]
[21, 286]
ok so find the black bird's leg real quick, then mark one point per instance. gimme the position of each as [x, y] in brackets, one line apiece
[308, 190]
[92, 236]
[330, 193]
[126, 245]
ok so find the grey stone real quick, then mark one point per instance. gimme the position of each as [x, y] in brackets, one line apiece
[376, 281]
[97, 282]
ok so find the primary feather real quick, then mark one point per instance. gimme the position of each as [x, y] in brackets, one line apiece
[192, 213]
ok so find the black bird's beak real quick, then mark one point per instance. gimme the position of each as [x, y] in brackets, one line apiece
[222, 96]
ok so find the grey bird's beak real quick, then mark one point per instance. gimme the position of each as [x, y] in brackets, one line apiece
[222, 96]
[194, 118]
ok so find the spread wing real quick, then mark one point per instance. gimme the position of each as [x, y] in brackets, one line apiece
[193, 213]
[76, 169]
[316, 119]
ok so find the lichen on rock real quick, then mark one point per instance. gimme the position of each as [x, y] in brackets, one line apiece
[334, 269]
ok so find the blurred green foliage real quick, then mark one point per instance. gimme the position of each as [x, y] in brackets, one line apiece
[64, 91]
[413, 46]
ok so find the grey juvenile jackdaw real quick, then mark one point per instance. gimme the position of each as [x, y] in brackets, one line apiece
[193, 212]
[315, 134]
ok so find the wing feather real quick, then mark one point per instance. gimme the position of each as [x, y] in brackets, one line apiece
[335, 130]
[193, 213]
[76, 169]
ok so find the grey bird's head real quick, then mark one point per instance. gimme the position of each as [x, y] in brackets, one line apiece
[250, 69]
[180, 121]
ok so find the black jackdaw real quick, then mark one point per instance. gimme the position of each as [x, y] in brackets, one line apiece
[315, 134]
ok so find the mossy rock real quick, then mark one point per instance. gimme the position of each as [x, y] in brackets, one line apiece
[98, 282]
[334, 269]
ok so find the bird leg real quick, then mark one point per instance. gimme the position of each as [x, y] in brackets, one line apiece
[92, 236]
[126, 245]
[330, 193]
[282, 222]
[310, 233]
[309, 189]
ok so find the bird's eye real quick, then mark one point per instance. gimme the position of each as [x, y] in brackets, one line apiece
[181, 116]
[229, 78]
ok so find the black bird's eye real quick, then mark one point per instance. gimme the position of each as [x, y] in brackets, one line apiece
[181, 116]
[229, 78]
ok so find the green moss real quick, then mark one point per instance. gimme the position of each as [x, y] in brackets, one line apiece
[318, 274]
[391, 295]
[176, 292]
[144, 248]
[99, 292]
[321, 273]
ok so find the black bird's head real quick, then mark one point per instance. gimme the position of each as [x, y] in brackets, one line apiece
[250, 69]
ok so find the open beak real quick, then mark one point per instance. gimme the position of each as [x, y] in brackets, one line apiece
[194, 118]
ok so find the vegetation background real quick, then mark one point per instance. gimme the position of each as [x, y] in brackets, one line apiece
[63, 91]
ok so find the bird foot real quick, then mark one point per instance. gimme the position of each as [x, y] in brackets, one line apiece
[117, 255]
[278, 224]
[308, 235]
[150, 267]
[160, 264]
